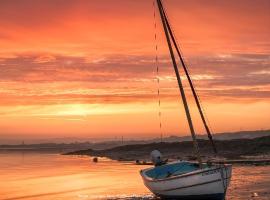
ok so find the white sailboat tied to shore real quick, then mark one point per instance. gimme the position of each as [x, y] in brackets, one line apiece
[184, 179]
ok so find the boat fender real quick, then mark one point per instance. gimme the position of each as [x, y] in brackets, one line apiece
[156, 158]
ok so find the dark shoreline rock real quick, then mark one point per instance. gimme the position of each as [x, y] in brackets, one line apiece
[228, 149]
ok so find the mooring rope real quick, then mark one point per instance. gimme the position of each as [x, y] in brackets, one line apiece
[157, 71]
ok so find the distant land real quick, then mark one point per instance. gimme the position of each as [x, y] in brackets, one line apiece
[74, 146]
[235, 149]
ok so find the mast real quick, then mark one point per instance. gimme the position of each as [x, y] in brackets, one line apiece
[180, 85]
[190, 82]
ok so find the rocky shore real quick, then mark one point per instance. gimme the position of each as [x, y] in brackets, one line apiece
[238, 149]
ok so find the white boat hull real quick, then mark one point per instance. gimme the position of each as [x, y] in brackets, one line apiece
[207, 183]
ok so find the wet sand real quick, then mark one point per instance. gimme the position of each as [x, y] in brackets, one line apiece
[55, 177]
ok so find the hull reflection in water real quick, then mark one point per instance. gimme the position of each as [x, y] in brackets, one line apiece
[186, 180]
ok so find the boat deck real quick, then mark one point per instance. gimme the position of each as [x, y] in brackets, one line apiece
[172, 169]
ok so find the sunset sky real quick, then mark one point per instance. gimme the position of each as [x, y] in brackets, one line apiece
[85, 69]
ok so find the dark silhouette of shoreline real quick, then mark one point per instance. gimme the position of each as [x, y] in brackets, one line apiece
[140, 149]
[243, 149]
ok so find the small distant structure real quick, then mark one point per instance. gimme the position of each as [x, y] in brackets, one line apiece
[95, 159]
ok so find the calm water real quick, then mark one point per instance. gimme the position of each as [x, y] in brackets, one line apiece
[55, 177]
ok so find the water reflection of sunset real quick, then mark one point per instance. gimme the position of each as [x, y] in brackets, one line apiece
[56, 177]
[51, 176]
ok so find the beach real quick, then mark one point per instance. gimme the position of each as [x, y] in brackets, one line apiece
[45, 176]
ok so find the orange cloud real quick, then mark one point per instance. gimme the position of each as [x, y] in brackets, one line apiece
[65, 58]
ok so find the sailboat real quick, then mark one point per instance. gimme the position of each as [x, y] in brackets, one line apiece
[185, 179]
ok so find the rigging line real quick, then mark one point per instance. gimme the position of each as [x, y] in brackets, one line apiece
[196, 97]
[188, 71]
[157, 73]
[180, 85]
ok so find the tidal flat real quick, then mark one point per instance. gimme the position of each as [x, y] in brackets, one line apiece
[30, 175]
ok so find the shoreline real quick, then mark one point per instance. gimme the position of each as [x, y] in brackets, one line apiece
[239, 162]
[240, 151]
